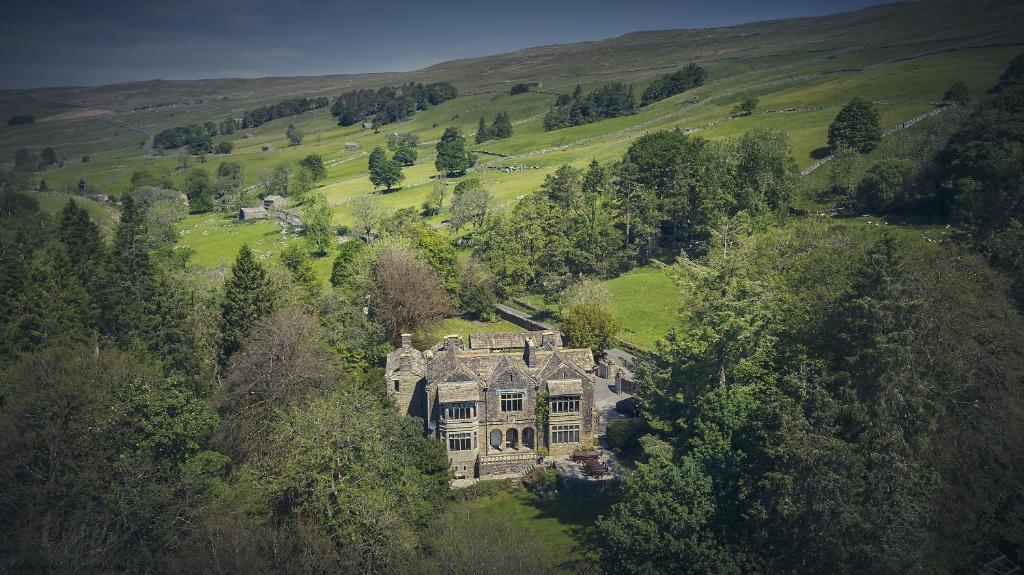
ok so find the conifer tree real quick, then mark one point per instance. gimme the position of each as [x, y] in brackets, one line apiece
[502, 126]
[81, 240]
[248, 296]
[129, 290]
[482, 133]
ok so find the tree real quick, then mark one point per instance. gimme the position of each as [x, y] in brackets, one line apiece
[471, 206]
[406, 292]
[275, 182]
[476, 291]
[885, 185]
[199, 191]
[294, 135]
[129, 290]
[405, 155]
[48, 156]
[435, 198]
[368, 213]
[248, 296]
[316, 215]
[957, 94]
[840, 174]
[342, 270]
[25, 161]
[301, 184]
[387, 174]
[377, 157]
[502, 127]
[452, 157]
[296, 260]
[162, 209]
[745, 107]
[384, 172]
[284, 363]
[856, 126]
[482, 132]
[588, 324]
[315, 164]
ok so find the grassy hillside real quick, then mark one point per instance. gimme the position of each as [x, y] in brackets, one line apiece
[901, 56]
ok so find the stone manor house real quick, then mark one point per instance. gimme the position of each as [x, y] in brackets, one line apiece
[482, 402]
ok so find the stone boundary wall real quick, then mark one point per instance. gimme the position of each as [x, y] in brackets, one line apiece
[522, 319]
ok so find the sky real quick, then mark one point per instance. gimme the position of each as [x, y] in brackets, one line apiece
[95, 42]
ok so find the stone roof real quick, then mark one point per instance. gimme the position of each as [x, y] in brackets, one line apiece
[254, 211]
[509, 339]
[394, 361]
[456, 392]
[565, 387]
[478, 365]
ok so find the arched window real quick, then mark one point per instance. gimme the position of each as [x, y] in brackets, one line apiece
[511, 439]
[496, 438]
[528, 438]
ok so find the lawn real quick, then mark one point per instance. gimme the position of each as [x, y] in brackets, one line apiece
[563, 525]
[457, 325]
[646, 301]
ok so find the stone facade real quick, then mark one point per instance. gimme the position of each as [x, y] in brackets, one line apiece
[482, 402]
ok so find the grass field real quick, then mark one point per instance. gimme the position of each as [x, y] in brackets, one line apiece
[646, 301]
[562, 525]
[802, 76]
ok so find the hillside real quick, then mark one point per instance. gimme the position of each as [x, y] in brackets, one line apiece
[81, 119]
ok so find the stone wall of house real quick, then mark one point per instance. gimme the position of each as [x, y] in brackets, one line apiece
[492, 468]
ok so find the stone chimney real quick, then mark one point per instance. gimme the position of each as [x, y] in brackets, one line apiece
[406, 341]
[453, 342]
[547, 339]
[530, 354]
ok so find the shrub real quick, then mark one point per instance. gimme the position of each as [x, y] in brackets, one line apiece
[624, 435]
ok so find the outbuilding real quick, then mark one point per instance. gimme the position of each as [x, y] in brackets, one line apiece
[351, 146]
[246, 214]
[273, 201]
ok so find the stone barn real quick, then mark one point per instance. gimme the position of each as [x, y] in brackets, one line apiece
[246, 214]
[274, 201]
[351, 146]
[482, 402]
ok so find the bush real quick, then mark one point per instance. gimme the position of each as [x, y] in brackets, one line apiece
[542, 481]
[519, 89]
[624, 434]
[225, 147]
[885, 185]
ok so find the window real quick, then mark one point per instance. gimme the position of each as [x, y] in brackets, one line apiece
[565, 404]
[512, 401]
[457, 411]
[397, 385]
[463, 441]
[565, 434]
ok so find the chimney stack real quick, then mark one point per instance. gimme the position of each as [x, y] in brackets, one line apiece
[453, 342]
[530, 353]
[406, 341]
[547, 339]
